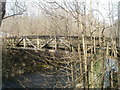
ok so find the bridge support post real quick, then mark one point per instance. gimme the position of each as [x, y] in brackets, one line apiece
[56, 44]
[38, 43]
[24, 42]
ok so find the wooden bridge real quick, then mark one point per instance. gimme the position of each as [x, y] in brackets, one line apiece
[50, 43]
[55, 43]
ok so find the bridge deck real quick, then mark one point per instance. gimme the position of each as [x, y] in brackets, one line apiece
[53, 43]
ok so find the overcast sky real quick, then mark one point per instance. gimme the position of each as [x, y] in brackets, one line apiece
[102, 1]
[103, 6]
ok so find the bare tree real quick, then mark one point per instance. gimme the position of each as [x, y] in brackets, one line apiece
[86, 53]
[2, 10]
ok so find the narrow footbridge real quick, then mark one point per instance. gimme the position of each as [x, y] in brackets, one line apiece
[53, 43]
[50, 43]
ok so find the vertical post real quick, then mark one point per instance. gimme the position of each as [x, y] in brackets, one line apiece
[56, 43]
[24, 42]
[38, 43]
[10, 41]
[13, 42]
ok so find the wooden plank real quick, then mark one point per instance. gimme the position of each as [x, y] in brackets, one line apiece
[19, 42]
[24, 42]
[27, 48]
[38, 43]
[47, 42]
[30, 42]
[48, 37]
[65, 44]
[56, 44]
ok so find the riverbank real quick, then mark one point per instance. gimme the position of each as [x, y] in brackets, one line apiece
[35, 69]
[17, 62]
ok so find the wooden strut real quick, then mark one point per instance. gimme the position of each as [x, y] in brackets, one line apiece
[24, 42]
[58, 40]
[47, 42]
[31, 43]
[65, 43]
[38, 43]
[19, 41]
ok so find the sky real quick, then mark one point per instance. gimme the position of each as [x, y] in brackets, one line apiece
[103, 6]
[101, 1]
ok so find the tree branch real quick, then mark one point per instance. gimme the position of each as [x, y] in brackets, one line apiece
[12, 15]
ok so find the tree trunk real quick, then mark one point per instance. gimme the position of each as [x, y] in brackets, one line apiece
[2, 13]
[2, 10]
